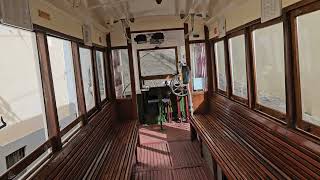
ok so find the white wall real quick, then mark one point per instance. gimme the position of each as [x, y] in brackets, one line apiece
[62, 21]
[242, 13]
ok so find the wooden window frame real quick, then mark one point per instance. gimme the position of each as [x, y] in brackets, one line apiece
[300, 123]
[155, 77]
[95, 86]
[111, 64]
[226, 61]
[274, 114]
[103, 51]
[241, 100]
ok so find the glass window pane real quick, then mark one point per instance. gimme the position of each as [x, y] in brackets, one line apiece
[21, 99]
[199, 66]
[238, 66]
[101, 75]
[308, 29]
[63, 80]
[269, 67]
[87, 77]
[158, 62]
[121, 70]
[220, 65]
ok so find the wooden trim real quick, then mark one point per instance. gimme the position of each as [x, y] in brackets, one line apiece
[96, 78]
[274, 114]
[166, 76]
[266, 24]
[79, 82]
[289, 71]
[214, 67]
[71, 125]
[227, 67]
[156, 30]
[48, 93]
[162, 76]
[132, 77]
[298, 5]
[109, 64]
[240, 100]
[28, 160]
[119, 47]
[187, 45]
[250, 69]
[197, 41]
[245, 26]
[209, 64]
[51, 32]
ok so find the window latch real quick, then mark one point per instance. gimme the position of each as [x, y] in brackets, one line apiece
[3, 124]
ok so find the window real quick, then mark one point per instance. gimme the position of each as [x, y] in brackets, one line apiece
[199, 66]
[121, 70]
[61, 61]
[158, 62]
[308, 29]
[21, 96]
[101, 75]
[220, 65]
[268, 44]
[237, 53]
[15, 157]
[87, 77]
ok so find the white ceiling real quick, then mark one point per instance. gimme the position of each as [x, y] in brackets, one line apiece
[105, 11]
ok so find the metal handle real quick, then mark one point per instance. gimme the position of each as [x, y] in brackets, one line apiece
[4, 124]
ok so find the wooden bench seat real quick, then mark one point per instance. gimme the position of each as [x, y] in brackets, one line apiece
[245, 149]
[104, 149]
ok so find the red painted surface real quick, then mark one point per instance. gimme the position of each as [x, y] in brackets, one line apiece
[169, 154]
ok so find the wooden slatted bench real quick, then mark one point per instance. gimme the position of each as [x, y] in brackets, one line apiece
[244, 148]
[104, 149]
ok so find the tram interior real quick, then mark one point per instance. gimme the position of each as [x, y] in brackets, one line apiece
[159, 89]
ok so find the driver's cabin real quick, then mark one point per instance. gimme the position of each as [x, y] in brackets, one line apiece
[159, 89]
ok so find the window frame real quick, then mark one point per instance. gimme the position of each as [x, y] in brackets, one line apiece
[241, 100]
[300, 124]
[76, 121]
[95, 88]
[226, 61]
[206, 78]
[111, 64]
[103, 50]
[274, 114]
[155, 77]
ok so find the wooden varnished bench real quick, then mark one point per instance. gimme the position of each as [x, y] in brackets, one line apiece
[244, 148]
[104, 149]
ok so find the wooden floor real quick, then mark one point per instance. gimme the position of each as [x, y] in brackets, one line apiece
[169, 154]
